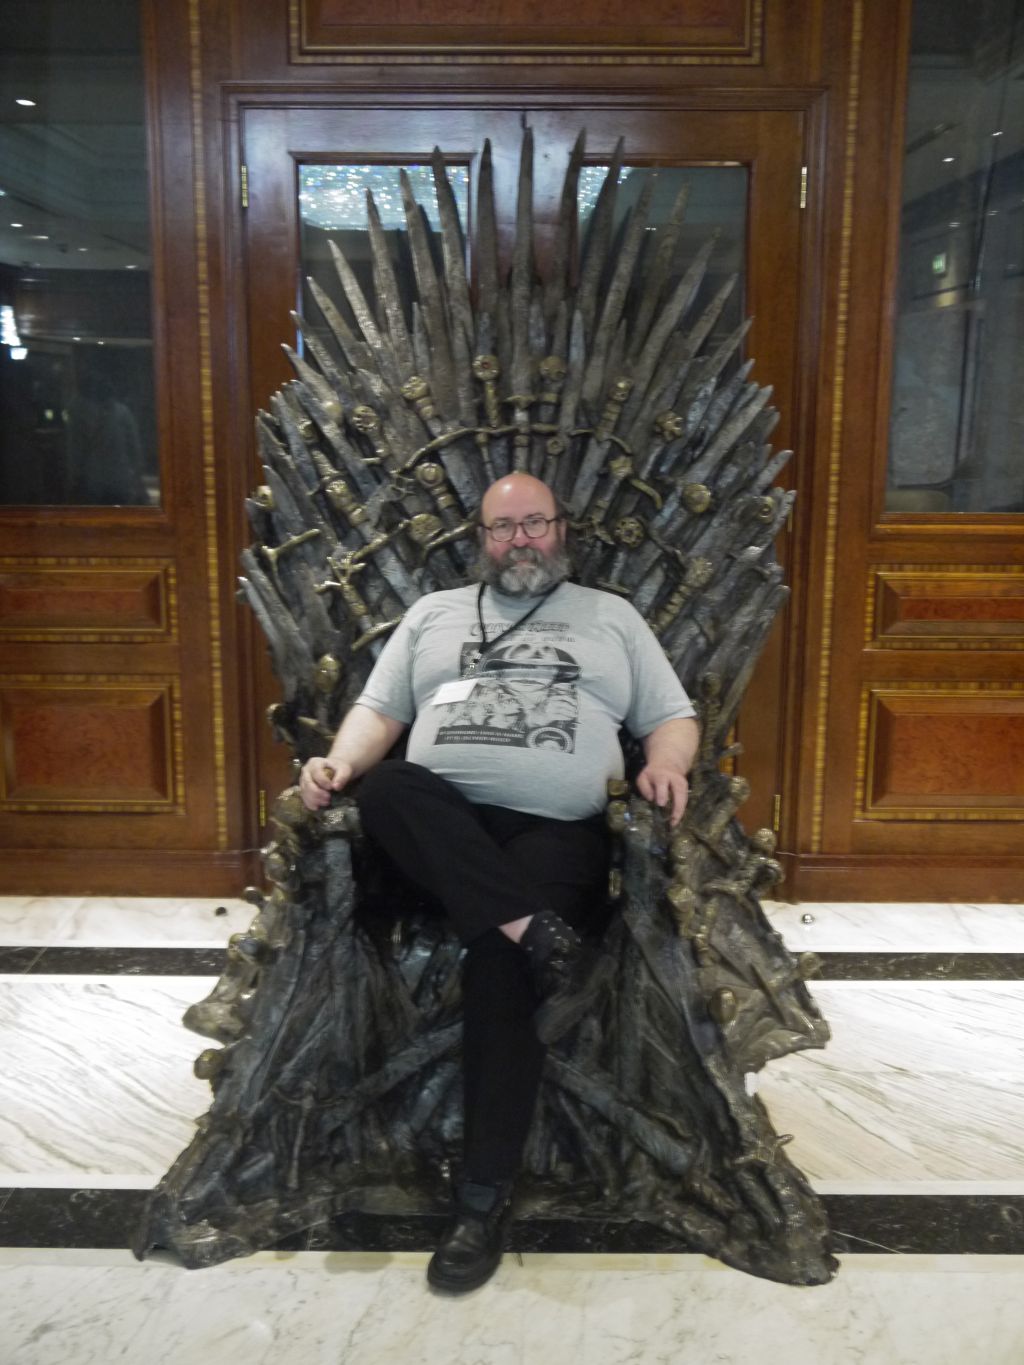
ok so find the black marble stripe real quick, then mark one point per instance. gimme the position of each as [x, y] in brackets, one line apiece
[939, 1225]
[113, 961]
[922, 966]
[72, 961]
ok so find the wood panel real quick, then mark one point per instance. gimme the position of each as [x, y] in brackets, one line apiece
[947, 606]
[78, 600]
[943, 752]
[88, 744]
[702, 31]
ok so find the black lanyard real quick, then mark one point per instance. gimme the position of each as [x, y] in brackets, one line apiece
[488, 645]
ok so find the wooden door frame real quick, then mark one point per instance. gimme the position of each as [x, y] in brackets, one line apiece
[788, 640]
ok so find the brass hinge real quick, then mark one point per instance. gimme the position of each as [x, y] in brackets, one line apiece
[803, 187]
[776, 812]
[245, 187]
[263, 807]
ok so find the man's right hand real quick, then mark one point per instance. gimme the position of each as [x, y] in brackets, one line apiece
[320, 777]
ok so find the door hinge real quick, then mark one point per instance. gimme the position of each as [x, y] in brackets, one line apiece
[263, 807]
[803, 187]
[776, 812]
[245, 186]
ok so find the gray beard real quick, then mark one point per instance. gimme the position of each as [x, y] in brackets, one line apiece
[525, 572]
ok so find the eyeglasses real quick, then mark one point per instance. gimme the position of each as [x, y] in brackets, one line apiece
[504, 528]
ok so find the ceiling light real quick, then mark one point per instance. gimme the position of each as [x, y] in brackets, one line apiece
[26, 104]
[101, 343]
[998, 133]
[947, 159]
[131, 267]
[83, 248]
[17, 225]
[40, 237]
[76, 338]
[954, 224]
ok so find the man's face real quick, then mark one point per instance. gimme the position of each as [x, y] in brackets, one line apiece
[523, 565]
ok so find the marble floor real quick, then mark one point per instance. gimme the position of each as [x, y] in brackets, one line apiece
[910, 1125]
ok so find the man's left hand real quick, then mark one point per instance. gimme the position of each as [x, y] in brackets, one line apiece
[665, 787]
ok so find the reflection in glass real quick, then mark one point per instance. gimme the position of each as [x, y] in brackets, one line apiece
[77, 420]
[332, 204]
[717, 202]
[957, 419]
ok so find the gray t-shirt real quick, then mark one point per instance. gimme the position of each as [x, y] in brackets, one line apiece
[539, 730]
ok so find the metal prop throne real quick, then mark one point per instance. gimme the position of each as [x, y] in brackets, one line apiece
[336, 1085]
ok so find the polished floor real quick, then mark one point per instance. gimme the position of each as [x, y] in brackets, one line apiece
[911, 1125]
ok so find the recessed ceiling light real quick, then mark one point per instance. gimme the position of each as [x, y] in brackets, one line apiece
[83, 248]
[101, 343]
[131, 267]
[17, 225]
[992, 212]
[998, 133]
[76, 338]
[956, 224]
[949, 158]
[26, 104]
[40, 237]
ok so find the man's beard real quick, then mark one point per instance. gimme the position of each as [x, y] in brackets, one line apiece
[524, 571]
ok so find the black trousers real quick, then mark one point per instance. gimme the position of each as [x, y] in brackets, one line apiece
[487, 866]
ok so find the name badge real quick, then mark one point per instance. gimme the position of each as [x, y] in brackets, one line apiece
[458, 690]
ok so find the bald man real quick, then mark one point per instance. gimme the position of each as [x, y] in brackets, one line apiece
[513, 691]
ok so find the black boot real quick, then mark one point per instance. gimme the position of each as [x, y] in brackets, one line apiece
[565, 974]
[552, 947]
[470, 1251]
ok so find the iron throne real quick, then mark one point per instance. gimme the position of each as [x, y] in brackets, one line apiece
[336, 1088]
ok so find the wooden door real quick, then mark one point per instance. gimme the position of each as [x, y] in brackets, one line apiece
[765, 146]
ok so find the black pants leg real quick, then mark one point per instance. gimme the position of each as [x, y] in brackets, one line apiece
[487, 866]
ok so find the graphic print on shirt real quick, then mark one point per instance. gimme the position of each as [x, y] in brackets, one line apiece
[526, 696]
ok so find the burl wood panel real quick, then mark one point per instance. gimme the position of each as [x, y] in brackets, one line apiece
[88, 744]
[656, 29]
[69, 601]
[948, 753]
[956, 606]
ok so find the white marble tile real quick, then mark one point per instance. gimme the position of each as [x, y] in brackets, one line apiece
[922, 1083]
[81, 1308]
[122, 921]
[840, 927]
[97, 1074]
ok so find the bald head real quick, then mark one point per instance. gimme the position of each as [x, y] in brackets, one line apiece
[520, 564]
[517, 495]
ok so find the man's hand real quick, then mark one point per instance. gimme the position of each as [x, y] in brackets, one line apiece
[319, 779]
[665, 787]
[670, 751]
[363, 740]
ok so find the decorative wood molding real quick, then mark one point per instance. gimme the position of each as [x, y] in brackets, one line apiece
[359, 32]
[67, 764]
[895, 877]
[68, 599]
[836, 432]
[206, 405]
[974, 727]
[945, 606]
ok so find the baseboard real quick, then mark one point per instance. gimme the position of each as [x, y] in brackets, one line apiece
[124, 872]
[848, 877]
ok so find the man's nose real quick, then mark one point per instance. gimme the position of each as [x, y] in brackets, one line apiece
[520, 537]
